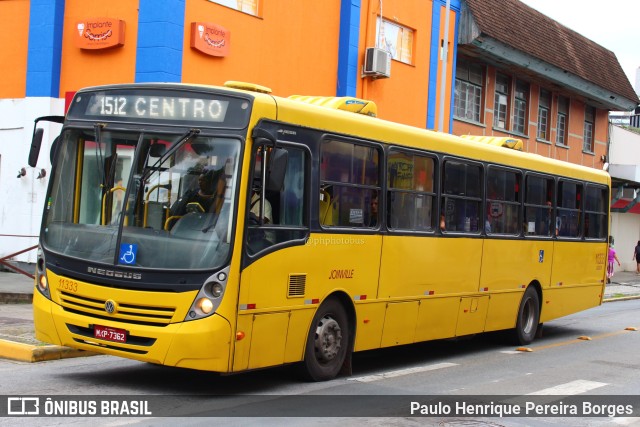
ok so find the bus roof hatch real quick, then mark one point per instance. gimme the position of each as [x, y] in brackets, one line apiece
[346, 103]
[500, 141]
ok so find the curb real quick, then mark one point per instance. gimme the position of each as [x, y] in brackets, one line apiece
[33, 353]
[15, 298]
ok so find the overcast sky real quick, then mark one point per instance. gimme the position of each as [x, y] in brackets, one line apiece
[614, 25]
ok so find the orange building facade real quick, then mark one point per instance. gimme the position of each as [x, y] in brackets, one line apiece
[305, 48]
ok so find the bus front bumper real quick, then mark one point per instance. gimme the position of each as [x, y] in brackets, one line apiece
[200, 344]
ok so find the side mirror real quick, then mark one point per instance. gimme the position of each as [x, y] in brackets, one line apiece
[157, 150]
[262, 136]
[36, 142]
[277, 169]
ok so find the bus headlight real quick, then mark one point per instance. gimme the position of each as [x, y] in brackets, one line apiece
[41, 275]
[205, 305]
[209, 297]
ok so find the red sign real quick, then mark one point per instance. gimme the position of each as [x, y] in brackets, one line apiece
[110, 334]
[99, 33]
[210, 39]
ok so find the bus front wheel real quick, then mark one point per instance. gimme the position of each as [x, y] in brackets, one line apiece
[528, 317]
[327, 342]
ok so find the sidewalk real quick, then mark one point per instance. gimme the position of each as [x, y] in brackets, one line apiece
[18, 342]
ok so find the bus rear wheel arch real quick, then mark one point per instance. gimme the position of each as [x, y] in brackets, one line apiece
[329, 342]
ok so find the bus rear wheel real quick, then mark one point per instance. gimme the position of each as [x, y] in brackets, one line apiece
[528, 317]
[327, 342]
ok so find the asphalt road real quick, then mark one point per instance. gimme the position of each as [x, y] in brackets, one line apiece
[589, 355]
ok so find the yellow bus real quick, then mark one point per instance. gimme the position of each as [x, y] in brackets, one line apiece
[227, 229]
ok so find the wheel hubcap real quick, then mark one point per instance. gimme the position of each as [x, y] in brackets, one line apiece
[328, 339]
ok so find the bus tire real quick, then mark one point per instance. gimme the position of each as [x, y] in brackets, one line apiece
[528, 317]
[327, 342]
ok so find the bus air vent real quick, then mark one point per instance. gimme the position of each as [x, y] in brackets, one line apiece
[247, 86]
[345, 103]
[500, 141]
[297, 283]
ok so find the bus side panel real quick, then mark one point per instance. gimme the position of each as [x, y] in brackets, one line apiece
[472, 315]
[506, 280]
[500, 272]
[370, 317]
[400, 323]
[242, 347]
[576, 267]
[419, 266]
[437, 318]
[326, 263]
[297, 334]
[563, 301]
[503, 311]
[267, 347]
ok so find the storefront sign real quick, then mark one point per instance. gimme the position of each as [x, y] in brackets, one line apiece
[210, 39]
[99, 33]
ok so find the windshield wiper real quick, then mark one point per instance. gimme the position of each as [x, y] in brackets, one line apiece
[188, 136]
[97, 128]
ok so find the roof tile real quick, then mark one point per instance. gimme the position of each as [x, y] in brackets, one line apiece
[524, 28]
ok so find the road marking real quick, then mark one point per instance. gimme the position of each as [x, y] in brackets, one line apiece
[568, 389]
[402, 372]
[625, 421]
[577, 340]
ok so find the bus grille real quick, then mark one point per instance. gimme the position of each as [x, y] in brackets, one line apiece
[297, 284]
[129, 313]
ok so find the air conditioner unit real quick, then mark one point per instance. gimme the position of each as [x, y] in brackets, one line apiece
[377, 63]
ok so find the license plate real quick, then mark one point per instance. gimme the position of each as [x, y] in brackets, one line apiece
[109, 334]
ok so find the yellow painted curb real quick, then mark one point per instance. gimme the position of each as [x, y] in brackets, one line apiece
[33, 353]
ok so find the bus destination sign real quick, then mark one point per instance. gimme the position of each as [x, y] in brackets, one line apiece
[156, 107]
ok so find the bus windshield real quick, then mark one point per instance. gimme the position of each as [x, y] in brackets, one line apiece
[143, 199]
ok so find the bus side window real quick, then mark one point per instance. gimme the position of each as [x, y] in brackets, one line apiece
[326, 210]
[285, 204]
[349, 179]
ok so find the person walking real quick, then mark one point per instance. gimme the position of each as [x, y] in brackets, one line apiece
[612, 257]
[636, 257]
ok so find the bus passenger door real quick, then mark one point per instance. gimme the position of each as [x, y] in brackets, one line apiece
[272, 315]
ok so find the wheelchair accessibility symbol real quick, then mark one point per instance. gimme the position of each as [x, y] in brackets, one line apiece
[128, 253]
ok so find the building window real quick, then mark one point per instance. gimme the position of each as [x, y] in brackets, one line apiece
[589, 119]
[501, 104]
[246, 6]
[563, 121]
[468, 90]
[396, 39]
[543, 114]
[520, 107]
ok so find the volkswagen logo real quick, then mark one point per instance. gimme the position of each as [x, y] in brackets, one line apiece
[110, 306]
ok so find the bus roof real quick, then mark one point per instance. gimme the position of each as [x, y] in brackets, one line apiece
[318, 112]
